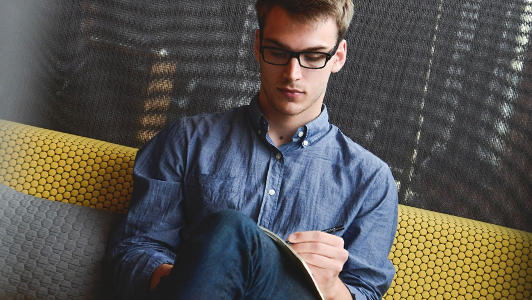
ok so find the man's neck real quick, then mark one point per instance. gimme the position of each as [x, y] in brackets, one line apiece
[282, 127]
[282, 131]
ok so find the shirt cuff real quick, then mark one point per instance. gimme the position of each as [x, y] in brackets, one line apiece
[140, 280]
[156, 260]
[356, 294]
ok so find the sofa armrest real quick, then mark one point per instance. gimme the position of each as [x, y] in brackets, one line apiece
[64, 167]
[440, 256]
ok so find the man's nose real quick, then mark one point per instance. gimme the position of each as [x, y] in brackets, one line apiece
[293, 69]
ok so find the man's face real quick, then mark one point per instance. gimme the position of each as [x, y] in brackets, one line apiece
[290, 90]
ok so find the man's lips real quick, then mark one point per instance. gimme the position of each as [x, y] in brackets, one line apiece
[290, 92]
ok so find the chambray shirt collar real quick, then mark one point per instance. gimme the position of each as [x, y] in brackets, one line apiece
[304, 136]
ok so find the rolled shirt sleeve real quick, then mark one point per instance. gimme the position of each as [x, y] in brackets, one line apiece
[368, 271]
[149, 235]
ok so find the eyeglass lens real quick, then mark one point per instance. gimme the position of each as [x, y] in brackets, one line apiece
[306, 59]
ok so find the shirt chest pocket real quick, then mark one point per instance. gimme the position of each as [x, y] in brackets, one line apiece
[206, 194]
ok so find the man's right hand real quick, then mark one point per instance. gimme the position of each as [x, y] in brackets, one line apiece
[160, 272]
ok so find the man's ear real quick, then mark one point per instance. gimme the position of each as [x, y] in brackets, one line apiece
[257, 45]
[340, 57]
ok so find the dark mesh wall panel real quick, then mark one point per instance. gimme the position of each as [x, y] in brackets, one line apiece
[439, 89]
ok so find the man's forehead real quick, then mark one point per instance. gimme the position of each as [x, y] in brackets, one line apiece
[315, 35]
[281, 44]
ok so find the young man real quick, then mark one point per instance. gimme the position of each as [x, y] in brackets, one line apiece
[204, 183]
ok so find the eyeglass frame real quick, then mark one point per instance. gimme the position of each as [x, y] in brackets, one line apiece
[296, 55]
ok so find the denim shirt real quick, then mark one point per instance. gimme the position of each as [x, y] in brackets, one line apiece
[201, 164]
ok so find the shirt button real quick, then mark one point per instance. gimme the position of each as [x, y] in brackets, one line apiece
[278, 156]
[305, 143]
[271, 192]
[300, 134]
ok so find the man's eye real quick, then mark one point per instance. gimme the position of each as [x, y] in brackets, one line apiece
[278, 53]
[313, 56]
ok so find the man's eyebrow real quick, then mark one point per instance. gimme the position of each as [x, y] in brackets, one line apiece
[285, 47]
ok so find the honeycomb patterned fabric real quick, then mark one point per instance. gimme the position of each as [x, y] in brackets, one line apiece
[437, 256]
[51, 250]
[440, 256]
[66, 168]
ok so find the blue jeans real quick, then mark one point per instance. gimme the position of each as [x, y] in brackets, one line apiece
[230, 257]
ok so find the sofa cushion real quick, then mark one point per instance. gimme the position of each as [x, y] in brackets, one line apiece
[52, 250]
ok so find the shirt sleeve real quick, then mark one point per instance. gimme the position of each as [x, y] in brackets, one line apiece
[368, 272]
[149, 234]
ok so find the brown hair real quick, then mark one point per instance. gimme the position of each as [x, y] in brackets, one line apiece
[310, 10]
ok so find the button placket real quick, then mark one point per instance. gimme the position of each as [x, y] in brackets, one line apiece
[271, 193]
[277, 166]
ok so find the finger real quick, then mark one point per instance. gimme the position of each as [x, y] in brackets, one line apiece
[319, 248]
[322, 264]
[327, 251]
[316, 236]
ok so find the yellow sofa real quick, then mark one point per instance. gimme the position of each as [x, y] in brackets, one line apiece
[436, 256]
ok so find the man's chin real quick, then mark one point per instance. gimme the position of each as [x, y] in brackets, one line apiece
[287, 106]
[288, 109]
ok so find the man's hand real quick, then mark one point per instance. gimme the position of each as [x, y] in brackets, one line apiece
[325, 255]
[160, 272]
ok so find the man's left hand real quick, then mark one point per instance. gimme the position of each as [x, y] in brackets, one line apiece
[325, 255]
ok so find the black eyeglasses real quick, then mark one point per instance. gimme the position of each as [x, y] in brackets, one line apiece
[308, 60]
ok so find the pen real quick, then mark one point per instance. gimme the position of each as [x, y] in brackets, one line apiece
[328, 230]
[334, 229]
